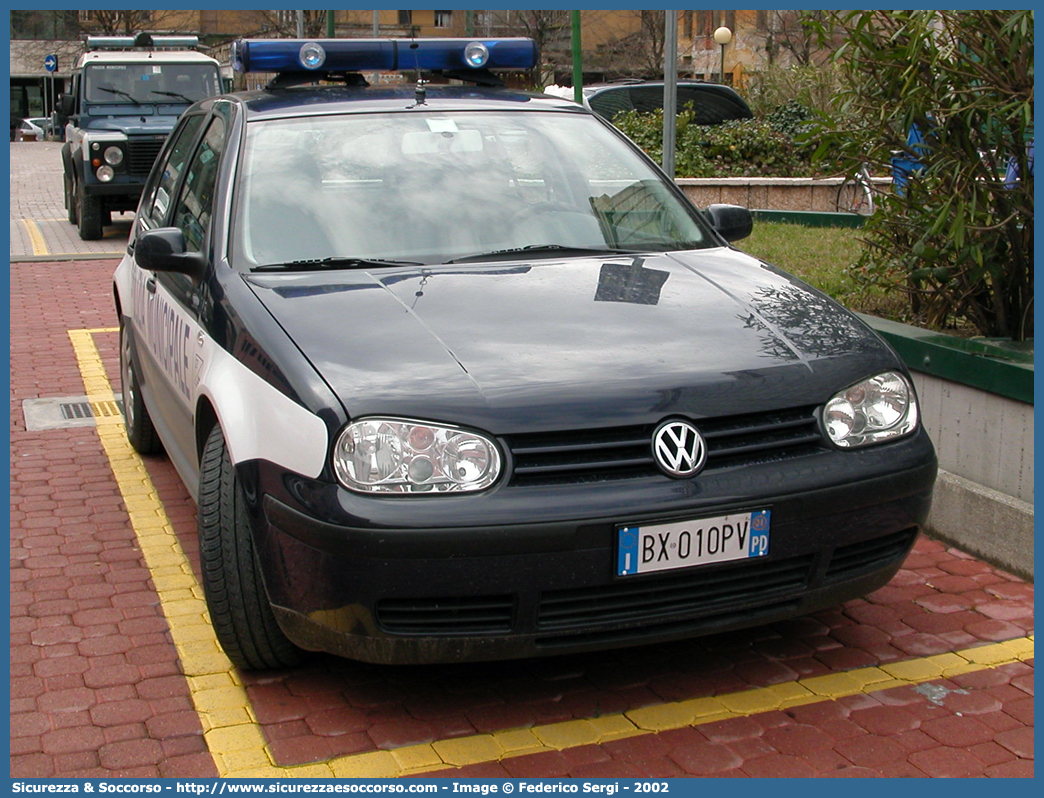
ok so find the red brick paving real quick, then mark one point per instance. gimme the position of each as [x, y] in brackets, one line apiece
[96, 688]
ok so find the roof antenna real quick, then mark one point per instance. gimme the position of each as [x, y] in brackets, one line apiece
[420, 94]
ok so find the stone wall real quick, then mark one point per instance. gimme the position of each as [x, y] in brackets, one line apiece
[770, 193]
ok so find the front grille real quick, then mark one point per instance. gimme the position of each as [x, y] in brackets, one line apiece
[141, 154]
[693, 594]
[626, 452]
[450, 615]
[856, 558]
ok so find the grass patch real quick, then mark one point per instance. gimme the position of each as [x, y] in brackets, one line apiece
[825, 258]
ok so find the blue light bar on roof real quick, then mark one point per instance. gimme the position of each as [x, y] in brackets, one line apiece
[141, 40]
[381, 55]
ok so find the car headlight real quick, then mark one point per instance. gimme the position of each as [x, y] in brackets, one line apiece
[113, 156]
[388, 455]
[104, 174]
[878, 409]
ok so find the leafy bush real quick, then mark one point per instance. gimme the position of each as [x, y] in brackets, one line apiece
[739, 148]
[959, 240]
[810, 87]
[790, 118]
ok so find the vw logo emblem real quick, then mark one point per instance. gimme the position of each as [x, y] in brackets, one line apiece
[679, 449]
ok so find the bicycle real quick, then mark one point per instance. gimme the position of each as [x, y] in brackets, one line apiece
[856, 194]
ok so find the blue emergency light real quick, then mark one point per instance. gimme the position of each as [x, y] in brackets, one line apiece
[381, 55]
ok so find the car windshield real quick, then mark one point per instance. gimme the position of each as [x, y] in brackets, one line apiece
[438, 187]
[151, 83]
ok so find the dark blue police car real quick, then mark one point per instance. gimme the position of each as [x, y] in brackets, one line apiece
[454, 372]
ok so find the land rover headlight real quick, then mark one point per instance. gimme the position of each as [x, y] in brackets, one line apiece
[875, 410]
[400, 456]
[113, 156]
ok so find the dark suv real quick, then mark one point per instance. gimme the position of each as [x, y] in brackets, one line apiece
[711, 103]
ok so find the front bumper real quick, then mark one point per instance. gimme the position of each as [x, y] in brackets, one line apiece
[439, 593]
[129, 187]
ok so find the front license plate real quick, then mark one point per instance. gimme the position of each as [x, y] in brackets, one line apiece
[663, 547]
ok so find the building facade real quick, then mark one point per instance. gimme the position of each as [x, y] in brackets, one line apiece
[616, 43]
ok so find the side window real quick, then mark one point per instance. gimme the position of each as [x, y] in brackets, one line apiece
[196, 200]
[158, 192]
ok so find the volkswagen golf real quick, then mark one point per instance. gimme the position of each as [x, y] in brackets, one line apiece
[454, 372]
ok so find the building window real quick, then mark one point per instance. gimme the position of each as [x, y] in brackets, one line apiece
[443, 19]
[405, 17]
[705, 22]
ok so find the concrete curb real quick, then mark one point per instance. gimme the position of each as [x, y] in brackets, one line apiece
[983, 521]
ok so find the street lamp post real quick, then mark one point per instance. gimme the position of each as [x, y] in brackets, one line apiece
[722, 36]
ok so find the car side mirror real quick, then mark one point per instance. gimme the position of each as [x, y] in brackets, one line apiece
[731, 222]
[66, 106]
[163, 250]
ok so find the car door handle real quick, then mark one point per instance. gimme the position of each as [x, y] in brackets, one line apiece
[150, 285]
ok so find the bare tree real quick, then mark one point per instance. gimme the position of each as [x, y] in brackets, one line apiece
[551, 30]
[637, 54]
[284, 23]
[800, 35]
[126, 22]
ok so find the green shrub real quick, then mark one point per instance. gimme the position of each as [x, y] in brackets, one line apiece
[959, 240]
[740, 148]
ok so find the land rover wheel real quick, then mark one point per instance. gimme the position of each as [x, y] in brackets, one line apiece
[70, 198]
[89, 214]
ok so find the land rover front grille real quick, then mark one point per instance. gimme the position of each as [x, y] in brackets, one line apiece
[141, 154]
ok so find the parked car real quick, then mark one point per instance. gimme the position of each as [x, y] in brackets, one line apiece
[710, 103]
[457, 373]
[36, 128]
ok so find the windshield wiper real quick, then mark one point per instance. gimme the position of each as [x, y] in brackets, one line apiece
[539, 249]
[317, 264]
[173, 94]
[121, 93]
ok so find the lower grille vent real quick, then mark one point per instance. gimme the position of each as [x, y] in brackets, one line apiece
[706, 624]
[869, 555]
[447, 615]
[703, 592]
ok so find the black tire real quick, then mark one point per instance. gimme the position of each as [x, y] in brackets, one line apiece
[140, 431]
[70, 198]
[232, 584]
[89, 214]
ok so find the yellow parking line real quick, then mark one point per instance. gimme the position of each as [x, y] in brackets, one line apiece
[35, 237]
[237, 742]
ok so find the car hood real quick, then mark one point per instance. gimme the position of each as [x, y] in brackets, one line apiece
[576, 342]
[147, 122]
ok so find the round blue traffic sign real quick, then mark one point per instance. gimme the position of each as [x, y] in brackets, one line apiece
[51, 63]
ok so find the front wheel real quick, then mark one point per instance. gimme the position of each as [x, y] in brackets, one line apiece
[236, 598]
[70, 198]
[89, 213]
[140, 431]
